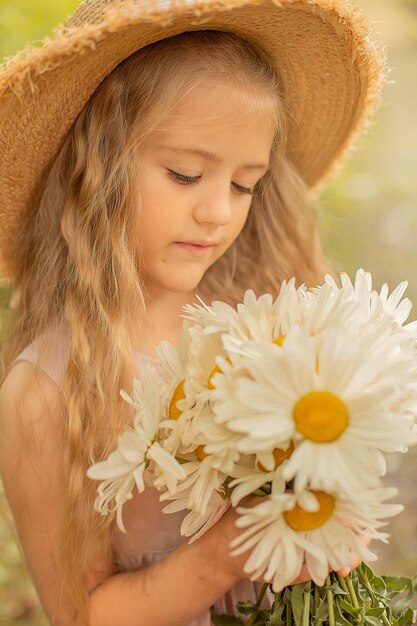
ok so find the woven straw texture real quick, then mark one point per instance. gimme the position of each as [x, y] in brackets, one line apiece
[331, 74]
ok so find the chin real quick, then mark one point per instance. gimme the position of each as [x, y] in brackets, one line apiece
[180, 284]
[184, 288]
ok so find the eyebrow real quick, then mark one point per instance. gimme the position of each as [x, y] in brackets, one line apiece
[209, 156]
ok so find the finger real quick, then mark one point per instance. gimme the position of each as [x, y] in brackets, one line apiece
[302, 577]
[344, 572]
[366, 540]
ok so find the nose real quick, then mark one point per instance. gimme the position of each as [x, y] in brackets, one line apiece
[214, 208]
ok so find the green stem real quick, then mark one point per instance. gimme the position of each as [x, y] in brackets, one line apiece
[332, 621]
[343, 584]
[375, 603]
[306, 609]
[352, 592]
[385, 620]
[288, 615]
[368, 588]
[277, 607]
[251, 621]
[316, 597]
[353, 597]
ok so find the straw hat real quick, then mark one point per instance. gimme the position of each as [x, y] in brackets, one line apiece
[330, 71]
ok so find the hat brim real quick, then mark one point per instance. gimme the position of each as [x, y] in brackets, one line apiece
[330, 73]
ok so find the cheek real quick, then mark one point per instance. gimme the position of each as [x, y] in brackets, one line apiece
[240, 220]
[234, 229]
[157, 213]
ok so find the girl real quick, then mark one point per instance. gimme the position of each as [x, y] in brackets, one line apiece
[149, 153]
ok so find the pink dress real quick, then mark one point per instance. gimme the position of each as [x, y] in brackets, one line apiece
[151, 534]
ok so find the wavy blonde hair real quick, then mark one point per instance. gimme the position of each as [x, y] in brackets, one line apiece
[76, 258]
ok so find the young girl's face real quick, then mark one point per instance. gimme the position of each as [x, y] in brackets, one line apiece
[197, 175]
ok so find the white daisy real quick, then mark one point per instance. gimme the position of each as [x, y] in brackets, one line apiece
[268, 319]
[340, 406]
[138, 448]
[195, 524]
[202, 480]
[122, 470]
[209, 465]
[254, 318]
[248, 480]
[191, 394]
[376, 306]
[317, 527]
[173, 359]
[173, 363]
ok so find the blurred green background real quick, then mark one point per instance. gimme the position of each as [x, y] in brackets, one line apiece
[368, 218]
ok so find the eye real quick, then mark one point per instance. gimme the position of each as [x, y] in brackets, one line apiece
[182, 178]
[251, 191]
[244, 190]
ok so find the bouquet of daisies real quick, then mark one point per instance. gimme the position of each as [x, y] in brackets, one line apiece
[295, 399]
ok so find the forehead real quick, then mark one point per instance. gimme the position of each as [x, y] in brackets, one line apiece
[214, 124]
[208, 107]
[248, 148]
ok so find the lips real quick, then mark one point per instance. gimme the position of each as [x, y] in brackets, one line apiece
[199, 242]
[198, 248]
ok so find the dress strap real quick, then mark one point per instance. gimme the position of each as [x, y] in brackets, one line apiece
[49, 354]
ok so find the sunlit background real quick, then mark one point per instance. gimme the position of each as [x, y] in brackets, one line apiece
[368, 218]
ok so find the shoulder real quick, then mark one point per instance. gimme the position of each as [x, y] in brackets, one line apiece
[30, 419]
[28, 396]
[31, 453]
[49, 353]
[31, 422]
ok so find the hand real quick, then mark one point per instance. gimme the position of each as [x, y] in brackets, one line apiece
[356, 560]
[304, 575]
[225, 531]
[220, 537]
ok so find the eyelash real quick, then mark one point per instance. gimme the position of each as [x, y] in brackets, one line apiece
[190, 180]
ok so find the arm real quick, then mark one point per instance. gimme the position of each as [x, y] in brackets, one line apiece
[172, 592]
[30, 466]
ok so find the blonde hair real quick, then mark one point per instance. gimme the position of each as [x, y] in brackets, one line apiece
[76, 260]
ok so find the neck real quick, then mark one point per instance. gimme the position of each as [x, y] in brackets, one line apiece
[163, 321]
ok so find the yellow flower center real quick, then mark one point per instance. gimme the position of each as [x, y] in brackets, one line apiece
[280, 455]
[216, 370]
[300, 520]
[201, 455]
[279, 340]
[179, 394]
[320, 416]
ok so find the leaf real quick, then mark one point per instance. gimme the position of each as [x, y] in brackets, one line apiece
[378, 583]
[287, 595]
[337, 589]
[277, 612]
[262, 619]
[321, 613]
[375, 612]
[340, 620]
[348, 608]
[297, 603]
[374, 594]
[409, 617]
[366, 572]
[322, 609]
[398, 583]
[372, 621]
[246, 608]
